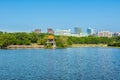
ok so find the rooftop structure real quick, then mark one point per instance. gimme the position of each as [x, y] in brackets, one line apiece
[50, 37]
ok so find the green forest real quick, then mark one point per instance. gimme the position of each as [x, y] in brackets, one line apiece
[23, 38]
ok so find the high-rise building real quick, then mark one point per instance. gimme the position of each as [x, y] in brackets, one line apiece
[104, 34]
[90, 31]
[50, 31]
[78, 30]
[37, 31]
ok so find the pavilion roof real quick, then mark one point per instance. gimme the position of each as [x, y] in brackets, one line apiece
[50, 37]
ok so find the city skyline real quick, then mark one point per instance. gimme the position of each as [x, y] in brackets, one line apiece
[27, 15]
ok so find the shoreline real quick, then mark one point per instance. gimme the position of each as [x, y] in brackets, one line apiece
[32, 46]
[42, 46]
[24, 46]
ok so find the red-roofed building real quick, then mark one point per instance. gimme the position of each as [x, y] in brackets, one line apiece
[50, 31]
[37, 31]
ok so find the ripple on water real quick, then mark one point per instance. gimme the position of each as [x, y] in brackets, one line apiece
[60, 64]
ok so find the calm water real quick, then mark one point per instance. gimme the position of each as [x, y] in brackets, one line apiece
[60, 64]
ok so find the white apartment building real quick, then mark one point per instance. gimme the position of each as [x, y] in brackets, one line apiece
[63, 32]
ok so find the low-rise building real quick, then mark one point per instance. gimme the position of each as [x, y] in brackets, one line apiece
[74, 35]
[63, 32]
[83, 35]
[104, 34]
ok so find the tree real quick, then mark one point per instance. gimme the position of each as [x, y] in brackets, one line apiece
[34, 37]
[22, 38]
[6, 39]
[61, 41]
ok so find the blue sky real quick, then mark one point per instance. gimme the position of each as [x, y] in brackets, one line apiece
[27, 15]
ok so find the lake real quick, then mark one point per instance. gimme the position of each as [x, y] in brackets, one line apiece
[60, 64]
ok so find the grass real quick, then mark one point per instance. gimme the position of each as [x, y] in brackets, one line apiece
[89, 45]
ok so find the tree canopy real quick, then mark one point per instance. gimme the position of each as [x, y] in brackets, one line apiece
[61, 41]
